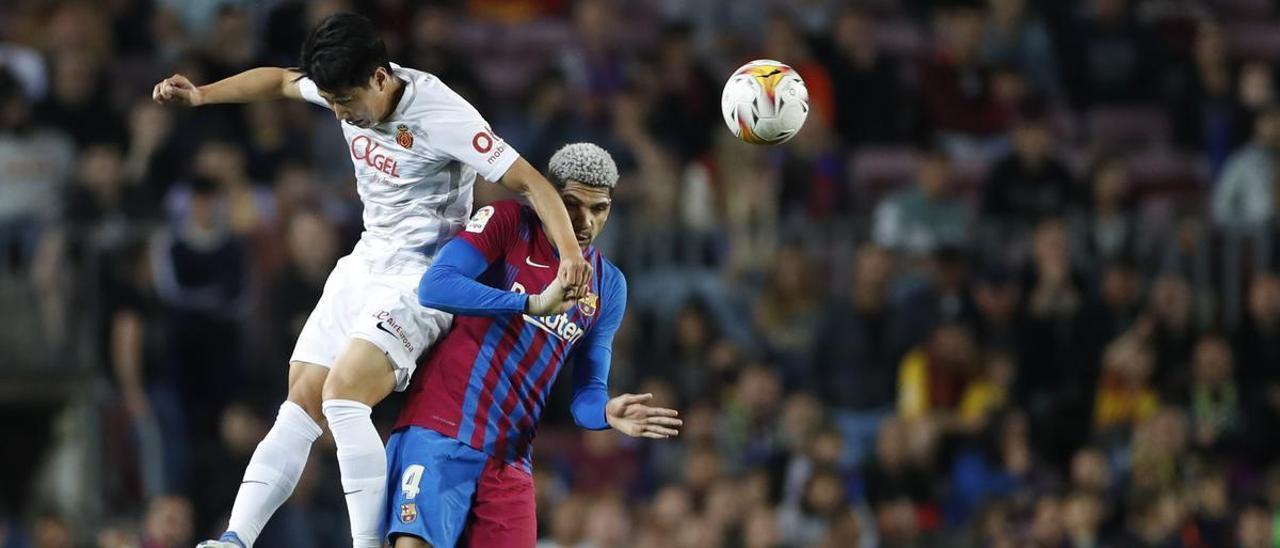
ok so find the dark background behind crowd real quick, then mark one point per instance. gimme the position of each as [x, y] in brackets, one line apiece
[1015, 284]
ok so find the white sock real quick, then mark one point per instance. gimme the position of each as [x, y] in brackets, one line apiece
[363, 462]
[273, 471]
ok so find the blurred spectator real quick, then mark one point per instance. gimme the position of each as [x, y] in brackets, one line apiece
[932, 379]
[607, 523]
[77, 104]
[687, 98]
[787, 311]
[1030, 183]
[989, 392]
[1082, 515]
[1254, 526]
[220, 463]
[1255, 352]
[52, 531]
[807, 521]
[997, 298]
[201, 276]
[1001, 465]
[959, 95]
[311, 251]
[601, 463]
[546, 115]
[1210, 508]
[37, 163]
[942, 296]
[1109, 56]
[168, 523]
[1156, 520]
[917, 220]
[594, 63]
[871, 105]
[1015, 37]
[1213, 397]
[1257, 88]
[1244, 195]
[1175, 329]
[28, 66]
[224, 163]
[684, 358]
[1158, 454]
[1125, 396]
[1054, 371]
[855, 350]
[813, 176]
[567, 525]
[431, 47]
[1202, 100]
[1108, 227]
[748, 418]
[892, 475]
[1116, 309]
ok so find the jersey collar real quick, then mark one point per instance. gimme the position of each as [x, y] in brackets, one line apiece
[406, 98]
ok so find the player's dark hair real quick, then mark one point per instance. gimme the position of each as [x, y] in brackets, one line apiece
[342, 52]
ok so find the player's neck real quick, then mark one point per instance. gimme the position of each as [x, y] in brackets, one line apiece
[397, 93]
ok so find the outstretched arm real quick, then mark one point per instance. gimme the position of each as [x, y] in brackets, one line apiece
[257, 84]
[524, 180]
[591, 407]
[450, 285]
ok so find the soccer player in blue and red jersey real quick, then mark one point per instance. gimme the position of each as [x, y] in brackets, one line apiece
[458, 461]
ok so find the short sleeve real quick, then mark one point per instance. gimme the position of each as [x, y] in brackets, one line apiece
[493, 229]
[456, 130]
[310, 92]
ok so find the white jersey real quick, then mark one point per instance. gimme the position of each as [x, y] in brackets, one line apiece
[415, 170]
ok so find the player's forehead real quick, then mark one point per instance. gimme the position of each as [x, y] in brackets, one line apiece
[586, 194]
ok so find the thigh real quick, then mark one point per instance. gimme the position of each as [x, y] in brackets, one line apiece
[503, 514]
[362, 373]
[394, 321]
[431, 481]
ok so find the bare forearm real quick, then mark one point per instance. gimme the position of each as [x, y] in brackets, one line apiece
[530, 184]
[257, 84]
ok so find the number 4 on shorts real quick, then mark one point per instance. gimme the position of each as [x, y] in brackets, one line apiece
[410, 479]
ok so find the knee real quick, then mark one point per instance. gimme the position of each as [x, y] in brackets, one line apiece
[305, 390]
[341, 384]
[309, 403]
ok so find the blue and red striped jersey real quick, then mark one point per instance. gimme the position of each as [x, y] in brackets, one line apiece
[486, 382]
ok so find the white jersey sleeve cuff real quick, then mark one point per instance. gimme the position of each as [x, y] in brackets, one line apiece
[311, 93]
[501, 164]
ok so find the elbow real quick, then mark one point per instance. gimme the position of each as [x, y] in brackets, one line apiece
[428, 288]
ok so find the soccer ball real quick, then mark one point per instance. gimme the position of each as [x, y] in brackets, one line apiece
[764, 102]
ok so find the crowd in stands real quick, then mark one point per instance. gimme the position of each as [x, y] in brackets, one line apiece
[1016, 283]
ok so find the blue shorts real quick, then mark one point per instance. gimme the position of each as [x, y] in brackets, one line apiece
[444, 491]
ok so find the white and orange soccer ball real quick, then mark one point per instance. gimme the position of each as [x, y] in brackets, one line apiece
[764, 102]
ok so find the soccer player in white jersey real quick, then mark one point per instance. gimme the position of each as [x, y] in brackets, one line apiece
[417, 148]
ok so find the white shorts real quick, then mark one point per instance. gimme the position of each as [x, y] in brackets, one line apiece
[381, 308]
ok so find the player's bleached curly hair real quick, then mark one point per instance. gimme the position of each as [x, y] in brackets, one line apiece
[585, 163]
